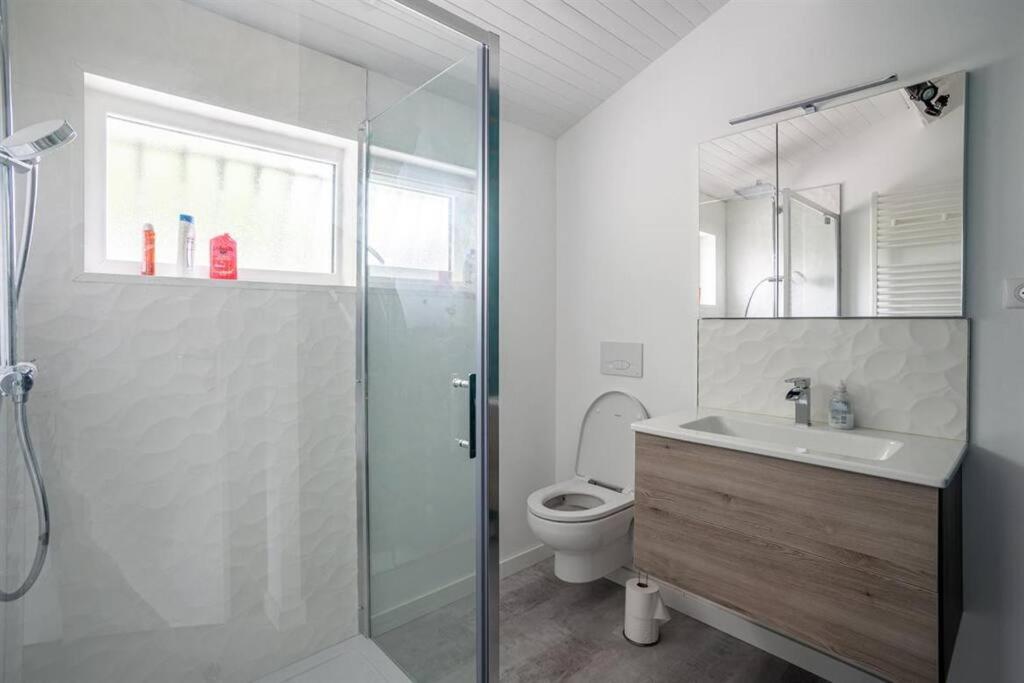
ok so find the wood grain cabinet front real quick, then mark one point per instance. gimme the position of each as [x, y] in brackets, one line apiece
[863, 568]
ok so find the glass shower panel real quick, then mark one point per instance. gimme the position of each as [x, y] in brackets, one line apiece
[422, 251]
[809, 223]
[810, 240]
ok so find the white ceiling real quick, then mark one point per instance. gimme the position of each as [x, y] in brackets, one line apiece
[559, 58]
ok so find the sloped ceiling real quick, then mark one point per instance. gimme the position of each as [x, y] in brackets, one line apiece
[559, 58]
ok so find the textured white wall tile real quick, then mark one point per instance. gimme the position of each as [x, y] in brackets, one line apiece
[903, 375]
[197, 442]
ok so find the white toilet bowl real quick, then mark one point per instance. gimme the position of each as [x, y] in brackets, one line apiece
[588, 520]
[588, 526]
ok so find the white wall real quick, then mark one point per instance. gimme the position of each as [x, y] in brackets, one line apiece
[748, 256]
[198, 440]
[993, 631]
[627, 238]
[527, 300]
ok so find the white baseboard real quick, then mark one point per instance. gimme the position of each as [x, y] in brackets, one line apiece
[727, 621]
[527, 558]
[427, 603]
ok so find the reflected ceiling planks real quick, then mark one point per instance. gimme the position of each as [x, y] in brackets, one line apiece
[743, 159]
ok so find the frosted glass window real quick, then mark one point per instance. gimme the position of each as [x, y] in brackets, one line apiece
[708, 270]
[409, 228]
[279, 207]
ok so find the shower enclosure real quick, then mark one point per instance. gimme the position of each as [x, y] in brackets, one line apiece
[250, 478]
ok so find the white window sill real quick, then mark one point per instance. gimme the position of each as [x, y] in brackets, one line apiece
[200, 281]
[399, 285]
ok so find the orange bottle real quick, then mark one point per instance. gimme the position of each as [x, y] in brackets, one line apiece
[223, 258]
[148, 249]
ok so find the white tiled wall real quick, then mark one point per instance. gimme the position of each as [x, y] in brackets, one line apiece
[197, 441]
[904, 375]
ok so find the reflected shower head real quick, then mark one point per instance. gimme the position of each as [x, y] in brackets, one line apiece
[756, 191]
[24, 146]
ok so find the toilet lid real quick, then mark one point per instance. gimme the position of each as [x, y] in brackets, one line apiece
[605, 450]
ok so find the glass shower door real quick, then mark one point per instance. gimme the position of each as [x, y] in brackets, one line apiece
[422, 250]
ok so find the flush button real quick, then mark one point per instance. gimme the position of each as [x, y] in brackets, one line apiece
[625, 359]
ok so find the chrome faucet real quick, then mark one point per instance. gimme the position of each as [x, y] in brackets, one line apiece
[801, 395]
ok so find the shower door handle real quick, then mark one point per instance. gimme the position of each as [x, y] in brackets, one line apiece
[470, 384]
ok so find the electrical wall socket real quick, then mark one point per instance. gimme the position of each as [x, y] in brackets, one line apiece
[1013, 292]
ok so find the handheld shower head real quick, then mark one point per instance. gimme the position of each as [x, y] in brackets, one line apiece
[24, 146]
[21, 151]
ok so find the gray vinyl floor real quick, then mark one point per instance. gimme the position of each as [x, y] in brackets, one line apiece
[554, 631]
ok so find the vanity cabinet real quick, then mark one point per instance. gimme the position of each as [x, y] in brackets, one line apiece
[863, 568]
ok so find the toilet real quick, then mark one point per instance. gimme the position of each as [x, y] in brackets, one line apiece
[588, 520]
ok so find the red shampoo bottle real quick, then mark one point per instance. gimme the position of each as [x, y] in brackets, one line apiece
[148, 249]
[223, 258]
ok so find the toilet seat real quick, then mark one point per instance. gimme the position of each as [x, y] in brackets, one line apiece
[589, 525]
[611, 501]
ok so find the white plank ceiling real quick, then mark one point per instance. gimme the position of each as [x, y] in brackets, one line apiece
[559, 58]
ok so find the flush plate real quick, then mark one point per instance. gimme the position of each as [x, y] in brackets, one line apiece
[625, 359]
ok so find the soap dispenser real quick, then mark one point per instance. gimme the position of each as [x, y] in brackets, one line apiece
[840, 409]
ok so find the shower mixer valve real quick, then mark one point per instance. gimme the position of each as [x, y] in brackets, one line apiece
[17, 380]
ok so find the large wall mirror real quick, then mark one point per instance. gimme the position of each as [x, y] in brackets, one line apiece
[854, 210]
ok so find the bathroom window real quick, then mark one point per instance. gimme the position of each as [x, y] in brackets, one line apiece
[421, 219]
[708, 269]
[409, 230]
[281, 191]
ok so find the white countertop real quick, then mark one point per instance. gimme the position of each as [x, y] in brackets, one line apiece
[922, 460]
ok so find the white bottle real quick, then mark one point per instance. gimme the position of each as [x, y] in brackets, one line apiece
[186, 244]
[840, 409]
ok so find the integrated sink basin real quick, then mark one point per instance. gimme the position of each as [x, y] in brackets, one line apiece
[905, 457]
[736, 433]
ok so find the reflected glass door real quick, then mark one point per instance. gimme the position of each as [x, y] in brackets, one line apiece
[810, 250]
[422, 249]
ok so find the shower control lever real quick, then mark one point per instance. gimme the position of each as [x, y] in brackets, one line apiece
[17, 380]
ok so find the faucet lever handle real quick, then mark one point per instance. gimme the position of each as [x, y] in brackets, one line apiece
[800, 382]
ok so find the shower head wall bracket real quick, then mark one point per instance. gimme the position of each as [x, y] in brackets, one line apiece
[17, 164]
